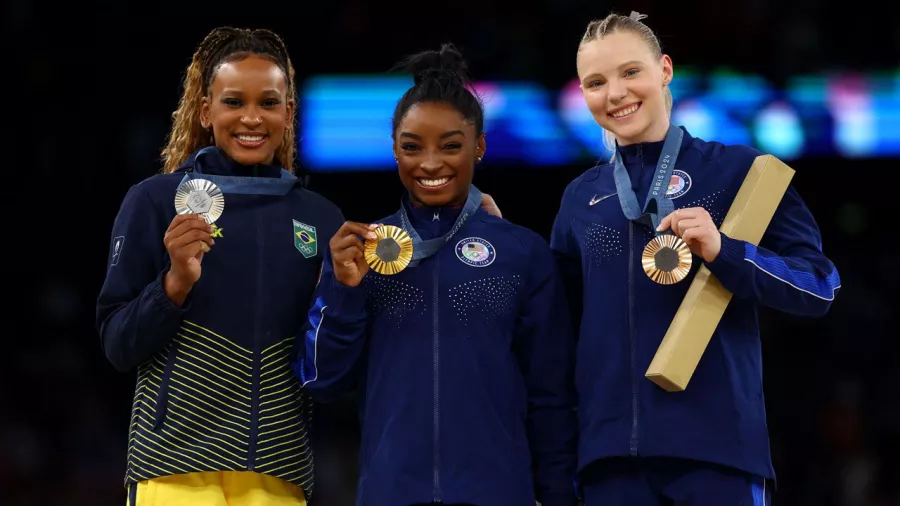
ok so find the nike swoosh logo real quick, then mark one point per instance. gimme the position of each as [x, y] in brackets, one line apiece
[595, 200]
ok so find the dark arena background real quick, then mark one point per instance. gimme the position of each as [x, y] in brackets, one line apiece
[815, 83]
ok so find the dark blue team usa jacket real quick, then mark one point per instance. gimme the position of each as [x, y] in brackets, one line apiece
[720, 417]
[464, 365]
[215, 390]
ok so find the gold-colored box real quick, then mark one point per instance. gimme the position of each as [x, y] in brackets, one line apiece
[706, 298]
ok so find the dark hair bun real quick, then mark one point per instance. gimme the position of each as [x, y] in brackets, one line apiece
[444, 65]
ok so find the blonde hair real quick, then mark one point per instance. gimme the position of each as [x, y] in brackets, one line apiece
[613, 23]
[222, 45]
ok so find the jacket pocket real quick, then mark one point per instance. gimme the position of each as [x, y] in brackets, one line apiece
[162, 397]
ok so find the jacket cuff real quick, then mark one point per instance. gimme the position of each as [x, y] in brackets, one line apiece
[731, 254]
[162, 303]
[559, 500]
[347, 298]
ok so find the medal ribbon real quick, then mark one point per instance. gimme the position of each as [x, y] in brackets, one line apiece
[424, 249]
[241, 184]
[658, 187]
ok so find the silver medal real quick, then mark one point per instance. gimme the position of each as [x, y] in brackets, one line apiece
[199, 196]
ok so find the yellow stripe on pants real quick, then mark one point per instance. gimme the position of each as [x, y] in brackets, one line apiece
[218, 488]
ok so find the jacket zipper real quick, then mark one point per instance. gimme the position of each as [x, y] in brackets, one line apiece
[632, 331]
[254, 402]
[162, 396]
[436, 491]
[632, 328]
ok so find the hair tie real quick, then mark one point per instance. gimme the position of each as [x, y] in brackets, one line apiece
[636, 16]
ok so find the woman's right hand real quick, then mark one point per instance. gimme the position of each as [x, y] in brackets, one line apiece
[348, 252]
[187, 239]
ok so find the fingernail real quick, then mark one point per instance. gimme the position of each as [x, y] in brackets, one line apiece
[373, 226]
[372, 235]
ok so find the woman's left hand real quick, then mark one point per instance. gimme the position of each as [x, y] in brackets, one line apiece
[696, 228]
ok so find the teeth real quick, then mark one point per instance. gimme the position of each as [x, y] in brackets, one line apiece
[626, 111]
[251, 138]
[434, 182]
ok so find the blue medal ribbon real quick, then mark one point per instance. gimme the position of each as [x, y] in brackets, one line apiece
[657, 206]
[241, 184]
[423, 249]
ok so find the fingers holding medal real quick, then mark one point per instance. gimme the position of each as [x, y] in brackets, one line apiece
[667, 259]
[696, 228]
[187, 239]
[347, 252]
[198, 204]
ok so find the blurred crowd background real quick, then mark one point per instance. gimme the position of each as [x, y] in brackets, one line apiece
[97, 83]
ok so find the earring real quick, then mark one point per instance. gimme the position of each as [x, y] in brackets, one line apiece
[478, 159]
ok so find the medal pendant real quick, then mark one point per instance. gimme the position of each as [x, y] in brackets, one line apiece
[666, 259]
[199, 196]
[391, 252]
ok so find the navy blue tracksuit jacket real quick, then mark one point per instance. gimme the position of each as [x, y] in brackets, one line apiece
[720, 418]
[464, 365]
[215, 390]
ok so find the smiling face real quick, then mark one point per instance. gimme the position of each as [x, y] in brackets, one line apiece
[436, 150]
[623, 84]
[248, 109]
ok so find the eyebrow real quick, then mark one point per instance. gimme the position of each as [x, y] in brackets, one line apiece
[631, 62]
[444, 135]
[626, 64]
[234, 91]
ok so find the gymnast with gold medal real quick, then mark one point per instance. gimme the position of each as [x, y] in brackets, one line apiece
[450, 321]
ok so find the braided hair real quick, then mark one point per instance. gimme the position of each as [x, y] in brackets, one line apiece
[223, 45]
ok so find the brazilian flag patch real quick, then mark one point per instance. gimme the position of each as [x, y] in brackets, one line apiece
[305, 239]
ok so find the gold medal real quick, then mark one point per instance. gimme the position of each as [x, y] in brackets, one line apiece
[391, 252]
[667, 259]
[199, 196]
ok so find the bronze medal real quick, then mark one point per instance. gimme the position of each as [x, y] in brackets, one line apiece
[666, 259]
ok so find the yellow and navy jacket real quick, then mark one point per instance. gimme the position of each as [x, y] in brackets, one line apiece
[720, 418]
[464, 365]
[215, 390]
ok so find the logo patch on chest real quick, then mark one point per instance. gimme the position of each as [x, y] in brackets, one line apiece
[679, 184]
[476, 252]
[305, 239]
[596, 200]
